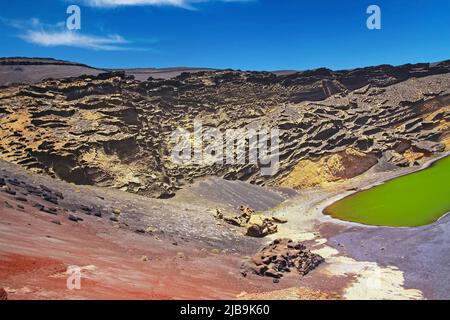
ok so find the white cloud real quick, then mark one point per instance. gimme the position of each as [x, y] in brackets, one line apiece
[117, 3]
[74, 39]
[177, 3]
[55, 35]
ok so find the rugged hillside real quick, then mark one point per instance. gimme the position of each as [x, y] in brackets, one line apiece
[111, 130]
[16, 70]
[32, 70]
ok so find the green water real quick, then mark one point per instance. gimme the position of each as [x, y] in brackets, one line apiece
[413, 200]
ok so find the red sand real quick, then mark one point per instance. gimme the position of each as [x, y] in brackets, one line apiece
[35, 254]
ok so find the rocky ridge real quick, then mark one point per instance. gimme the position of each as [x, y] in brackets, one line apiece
[113, 131]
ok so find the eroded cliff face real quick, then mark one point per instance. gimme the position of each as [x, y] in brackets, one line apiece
[110, 130]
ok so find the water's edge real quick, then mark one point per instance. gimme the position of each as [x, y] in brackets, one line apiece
[331, 200]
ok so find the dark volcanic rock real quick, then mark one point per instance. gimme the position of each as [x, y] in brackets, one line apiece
[20, 198]
[10, 191]
[281, 256]
[50, 198]
[53, 211]
[113, 131]
[74, 218]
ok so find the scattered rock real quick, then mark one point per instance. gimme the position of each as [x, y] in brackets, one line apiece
[98, 214]
[50, 198]
[14, 182]
[150, 230]
[53, 211]
[219, 214]
[38, 205]
[74, 218]
[44, 188]
[86, 210]
[181, 255]
[279, 220]
[20, 198]
[7, 205]
[8, 190]
[257, 225]
[259, 231]
[59, 195]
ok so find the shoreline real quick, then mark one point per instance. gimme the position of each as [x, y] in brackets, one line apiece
[323, 217]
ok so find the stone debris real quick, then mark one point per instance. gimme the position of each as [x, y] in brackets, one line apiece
[257, 225]
[10, 191]
[53, 211]
[74, 218]
[282, 256]
[21, 198]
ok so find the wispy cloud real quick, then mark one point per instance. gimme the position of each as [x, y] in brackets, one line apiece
[55, 35]
[118, 3]
[187, 4]
[74, 39]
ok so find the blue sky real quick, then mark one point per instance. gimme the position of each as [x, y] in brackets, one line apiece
[248, 35]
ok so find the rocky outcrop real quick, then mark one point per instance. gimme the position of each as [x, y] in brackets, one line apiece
[257, 225]
[113, 131]
[282, 256]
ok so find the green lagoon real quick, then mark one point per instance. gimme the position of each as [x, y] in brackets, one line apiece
[412, 200]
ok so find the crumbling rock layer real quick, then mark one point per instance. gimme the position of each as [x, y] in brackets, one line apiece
[113, 131]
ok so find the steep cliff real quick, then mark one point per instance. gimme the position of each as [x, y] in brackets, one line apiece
[111, 130]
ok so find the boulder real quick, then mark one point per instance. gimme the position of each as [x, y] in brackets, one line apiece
[257, 231]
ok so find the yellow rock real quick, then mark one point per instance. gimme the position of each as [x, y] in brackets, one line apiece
[257, 219]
